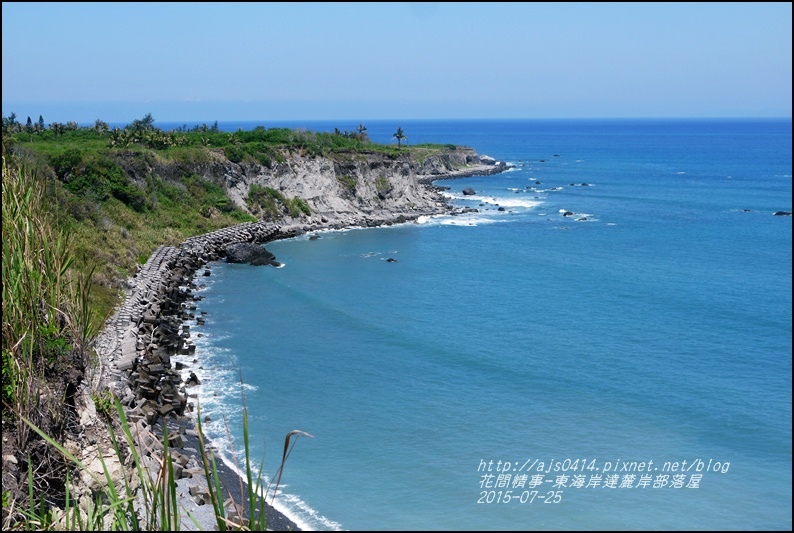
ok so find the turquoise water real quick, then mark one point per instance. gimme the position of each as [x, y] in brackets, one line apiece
[652, 325]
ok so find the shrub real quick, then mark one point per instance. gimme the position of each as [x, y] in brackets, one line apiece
[234, 153]
[349, 182]
[66, 163]
[273, 204]
[104, 403]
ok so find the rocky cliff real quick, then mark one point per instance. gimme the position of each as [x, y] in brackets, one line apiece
[338, 187]
[355, 183]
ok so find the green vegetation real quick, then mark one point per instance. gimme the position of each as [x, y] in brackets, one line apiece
[104, 402]
[146, 499]
[47, 326]
[45, 311]
[48, 323]
[121, 192]
[348, 182]
[82, 208]
[268, 203]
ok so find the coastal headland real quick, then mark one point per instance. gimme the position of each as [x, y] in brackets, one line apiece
[137, 343]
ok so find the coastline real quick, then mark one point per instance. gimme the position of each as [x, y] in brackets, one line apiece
[159, 302]
[234, 486]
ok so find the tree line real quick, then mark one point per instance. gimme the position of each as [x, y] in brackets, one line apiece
[143, 131]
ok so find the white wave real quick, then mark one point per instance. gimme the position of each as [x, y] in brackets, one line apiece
[514, 202]
[578, 217]
[424, 219]
[214, 398]
[501, 201]
[474, 219]
[325, 523]
[465, 219]
[289, 505]
[215, 368]
[459, 222]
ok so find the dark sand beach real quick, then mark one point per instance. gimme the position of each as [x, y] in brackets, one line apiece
[234, 487]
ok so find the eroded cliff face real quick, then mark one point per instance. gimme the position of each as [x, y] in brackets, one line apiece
[354, 183]
[336, 186]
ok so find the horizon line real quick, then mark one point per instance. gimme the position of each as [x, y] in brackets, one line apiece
[414, 119]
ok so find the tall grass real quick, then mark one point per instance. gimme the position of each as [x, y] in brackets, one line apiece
[45, 312]
[155, 506]
[47, 322]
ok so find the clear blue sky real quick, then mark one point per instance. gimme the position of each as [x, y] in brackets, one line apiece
[359, 61]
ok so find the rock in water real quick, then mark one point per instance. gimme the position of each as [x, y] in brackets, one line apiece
[247, 252]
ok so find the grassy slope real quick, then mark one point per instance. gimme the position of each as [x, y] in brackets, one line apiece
[100, 194]
[117, 217]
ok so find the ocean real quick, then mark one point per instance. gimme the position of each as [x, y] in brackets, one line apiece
[605, 344]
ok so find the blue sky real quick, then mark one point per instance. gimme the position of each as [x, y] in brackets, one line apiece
[360, 61]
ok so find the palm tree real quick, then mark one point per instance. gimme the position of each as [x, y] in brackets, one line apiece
[145, 123]
[119, 137]
[361, 135]
[100, 127]
[58, 128]
[399, 136]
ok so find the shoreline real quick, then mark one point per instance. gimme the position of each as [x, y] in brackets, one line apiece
[234, 486]
[158, 304]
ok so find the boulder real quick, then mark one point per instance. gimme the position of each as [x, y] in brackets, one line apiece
[468, 191]
[247, 252]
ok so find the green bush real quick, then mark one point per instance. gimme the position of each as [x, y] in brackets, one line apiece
[349, 182]
[96, 177]
[273, 204]
[235, 154]
[104, 403]
[298, 206]
[67, 162]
